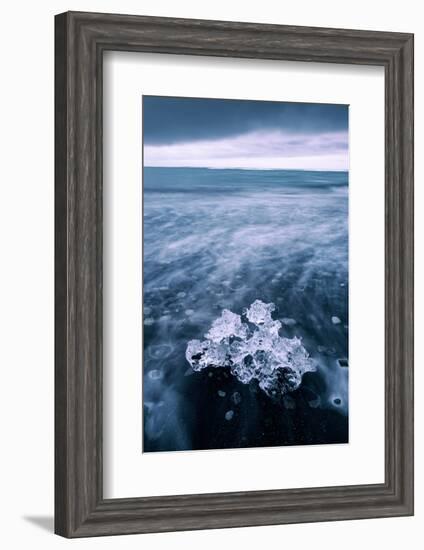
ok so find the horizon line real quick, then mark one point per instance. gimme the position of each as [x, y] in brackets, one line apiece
[262, 169]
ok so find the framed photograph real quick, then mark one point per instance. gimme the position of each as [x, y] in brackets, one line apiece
[234, 274]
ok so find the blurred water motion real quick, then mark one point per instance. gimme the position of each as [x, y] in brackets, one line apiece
[221, 239]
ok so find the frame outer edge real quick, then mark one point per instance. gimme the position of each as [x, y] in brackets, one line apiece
[80, 510]
[399, 277]
[406, 115]
[62, 504]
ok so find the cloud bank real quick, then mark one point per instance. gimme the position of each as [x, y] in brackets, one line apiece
[267, 149]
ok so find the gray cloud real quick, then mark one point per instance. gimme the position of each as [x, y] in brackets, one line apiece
[170, 120]
[261, 149]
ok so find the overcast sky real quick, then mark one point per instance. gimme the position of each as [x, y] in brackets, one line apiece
[216, 133]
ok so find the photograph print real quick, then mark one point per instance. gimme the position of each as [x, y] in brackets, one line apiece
[245, 273]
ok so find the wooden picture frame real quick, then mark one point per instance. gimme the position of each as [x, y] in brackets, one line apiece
[81, 39]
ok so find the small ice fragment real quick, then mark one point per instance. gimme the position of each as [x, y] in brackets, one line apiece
[288, 321]
[189, 372]
[229, 324]
[221, 393]
[181, 295]
[236, 398]
[335, 320]
[289, 402]
[155, 374]
[189, 312]
[160, 351]
[259, 313]
[229, 415]
[314, 403]
[326, 351]
[149, 321]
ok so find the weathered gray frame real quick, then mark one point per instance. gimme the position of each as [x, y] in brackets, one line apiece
[81, 39]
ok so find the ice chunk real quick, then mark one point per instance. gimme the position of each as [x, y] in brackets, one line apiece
[257, 353]
[259, 313]
[335, 320]
[221, 393]
[229, 324]
[206, 354]
[229, 415]
[236, 398]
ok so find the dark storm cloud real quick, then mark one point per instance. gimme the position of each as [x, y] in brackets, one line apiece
[170, 120]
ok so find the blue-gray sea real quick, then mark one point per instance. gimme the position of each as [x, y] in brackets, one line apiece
[216, 239]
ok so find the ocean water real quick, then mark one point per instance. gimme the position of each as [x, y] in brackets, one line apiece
[221, 239]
